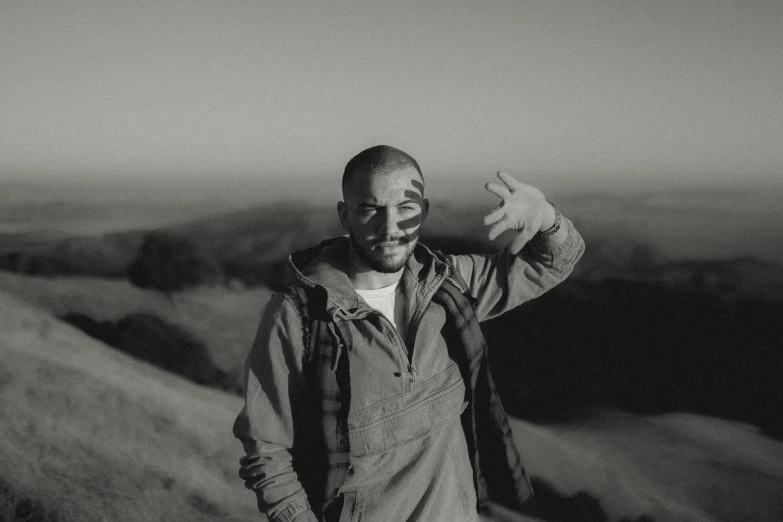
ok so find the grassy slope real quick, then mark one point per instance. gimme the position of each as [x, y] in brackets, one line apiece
[95, 435]
[225, 321]
[89, 433]
[92, 434]
[672, 467]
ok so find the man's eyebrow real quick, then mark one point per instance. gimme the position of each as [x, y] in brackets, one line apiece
[366, 204]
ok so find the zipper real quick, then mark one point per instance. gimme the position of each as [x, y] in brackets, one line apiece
[415, 326]
[402, 350]
[415, 322]
[421, 310]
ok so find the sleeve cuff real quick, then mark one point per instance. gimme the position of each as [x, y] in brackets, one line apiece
[291, 511]
[554, 255]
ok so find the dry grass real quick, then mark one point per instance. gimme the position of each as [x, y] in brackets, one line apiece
[224, 320]
[88, 433]
[91, 434]
[672, 467]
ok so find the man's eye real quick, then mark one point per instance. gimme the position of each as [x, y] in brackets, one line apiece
[408, 208]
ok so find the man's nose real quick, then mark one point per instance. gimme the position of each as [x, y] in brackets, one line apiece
[390, 224]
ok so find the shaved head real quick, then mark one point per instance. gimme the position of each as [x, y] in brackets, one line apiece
[378, 159]
[382, 211]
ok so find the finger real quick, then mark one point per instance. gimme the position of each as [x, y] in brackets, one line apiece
[509, 180]
[497, 214]
[497, 229]
[521, 240]
[499, 190]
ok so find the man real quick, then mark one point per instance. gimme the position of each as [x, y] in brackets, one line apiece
[367, 389]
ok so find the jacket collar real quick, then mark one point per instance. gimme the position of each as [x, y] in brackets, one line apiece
[321, 270]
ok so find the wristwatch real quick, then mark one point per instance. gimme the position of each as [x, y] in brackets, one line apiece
[554, 228]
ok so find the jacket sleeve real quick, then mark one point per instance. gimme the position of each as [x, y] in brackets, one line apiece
[500, 282]
[273, 388]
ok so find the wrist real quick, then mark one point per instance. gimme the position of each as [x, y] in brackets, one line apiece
[555, 235]
[551, 222]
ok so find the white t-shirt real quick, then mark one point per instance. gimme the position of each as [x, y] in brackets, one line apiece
[390, 301]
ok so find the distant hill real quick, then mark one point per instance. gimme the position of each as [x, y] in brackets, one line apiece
[724, 278]
[258, 240]
[250, 246]
[225, 321]
[247, 243]
[646, 346]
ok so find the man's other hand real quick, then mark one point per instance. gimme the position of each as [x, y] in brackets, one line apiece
[522, 208]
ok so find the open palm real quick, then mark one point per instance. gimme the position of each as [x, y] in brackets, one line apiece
[522, 208]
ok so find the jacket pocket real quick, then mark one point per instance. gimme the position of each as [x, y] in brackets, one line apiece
[416, 416]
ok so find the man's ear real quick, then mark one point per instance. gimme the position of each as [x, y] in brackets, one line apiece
[425, 209]
[342, 215]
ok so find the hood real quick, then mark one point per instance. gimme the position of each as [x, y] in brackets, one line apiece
[321, 271]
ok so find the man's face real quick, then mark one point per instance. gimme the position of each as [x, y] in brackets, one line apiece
[382, 213]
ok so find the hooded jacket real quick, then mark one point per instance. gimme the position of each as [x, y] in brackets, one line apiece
[402, 407]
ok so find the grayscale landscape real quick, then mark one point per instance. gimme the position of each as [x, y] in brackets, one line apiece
[160, 160]
[118, 397]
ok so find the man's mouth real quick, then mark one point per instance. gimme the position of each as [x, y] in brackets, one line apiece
[388, 244]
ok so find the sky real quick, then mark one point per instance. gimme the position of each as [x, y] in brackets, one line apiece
[592, 94]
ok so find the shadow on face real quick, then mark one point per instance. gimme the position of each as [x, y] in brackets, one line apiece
[391, 201]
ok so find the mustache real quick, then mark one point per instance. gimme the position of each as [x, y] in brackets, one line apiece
[401, 240]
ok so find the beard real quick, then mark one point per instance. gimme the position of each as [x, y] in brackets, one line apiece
[375, 259]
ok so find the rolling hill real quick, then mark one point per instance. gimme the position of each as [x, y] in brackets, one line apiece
[250, 245]
[225, 321]
[89, 433]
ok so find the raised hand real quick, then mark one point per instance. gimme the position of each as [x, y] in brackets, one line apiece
[522, 208]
